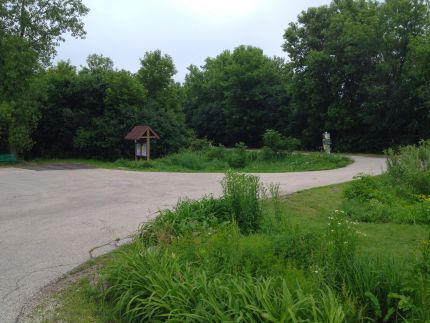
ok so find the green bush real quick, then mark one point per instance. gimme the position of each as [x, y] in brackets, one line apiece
[292, 143]
[218, 152]
[238, 157]
[275, 144]
[267, 154]
[197, 144]
[274, 140]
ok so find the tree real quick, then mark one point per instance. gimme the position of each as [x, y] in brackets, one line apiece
[123, 101]
[164, 105]
[237, 96]
[99, 63]
[43, 22]
[61, 112]
[18, 93]
[156, 72]
[29, 32]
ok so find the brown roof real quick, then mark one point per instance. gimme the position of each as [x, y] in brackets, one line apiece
[139, 131]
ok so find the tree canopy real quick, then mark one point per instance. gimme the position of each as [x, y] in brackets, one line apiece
[30, 30]
[42, 23]
[355, 70]
[87, 113]
[237, 96]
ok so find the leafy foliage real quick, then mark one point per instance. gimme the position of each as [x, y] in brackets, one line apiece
[42, 23]
[19, 91]
[29, 33]
[236, 96]
[276, 145]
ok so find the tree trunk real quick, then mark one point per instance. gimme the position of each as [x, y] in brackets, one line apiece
[22, 20]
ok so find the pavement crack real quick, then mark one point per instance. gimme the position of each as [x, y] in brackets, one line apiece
[117, 242]
[28, 274]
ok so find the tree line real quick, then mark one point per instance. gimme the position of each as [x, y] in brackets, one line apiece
[359, 69]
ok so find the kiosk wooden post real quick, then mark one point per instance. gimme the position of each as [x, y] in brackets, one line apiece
[148, 148]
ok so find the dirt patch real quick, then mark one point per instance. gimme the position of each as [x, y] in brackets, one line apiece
[49, 167]
[46, 304]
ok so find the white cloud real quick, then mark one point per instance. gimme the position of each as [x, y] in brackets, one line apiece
[216, 9]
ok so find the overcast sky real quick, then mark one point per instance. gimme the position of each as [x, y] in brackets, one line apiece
[187, 30]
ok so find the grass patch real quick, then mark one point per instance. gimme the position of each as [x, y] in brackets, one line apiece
[402, 195]
[311, 209]
[219, 159]
[297, 260]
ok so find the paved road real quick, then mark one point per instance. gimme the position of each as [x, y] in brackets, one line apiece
[51, 217]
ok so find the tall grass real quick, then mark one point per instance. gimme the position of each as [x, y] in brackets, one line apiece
[187, 218]
[156, 285]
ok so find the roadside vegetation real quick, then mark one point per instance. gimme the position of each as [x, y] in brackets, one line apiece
[220, 159]
[276, 155]
[252, 256]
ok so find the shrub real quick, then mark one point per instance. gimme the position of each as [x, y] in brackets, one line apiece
[199, 144]
[217, 152]
[238, 157]
[267, 154]
[210, 260]
[276, 142]
[292, 144]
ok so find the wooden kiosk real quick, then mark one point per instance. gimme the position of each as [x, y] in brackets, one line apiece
[142, 135]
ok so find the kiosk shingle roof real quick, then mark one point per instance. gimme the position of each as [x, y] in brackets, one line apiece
[138, 132]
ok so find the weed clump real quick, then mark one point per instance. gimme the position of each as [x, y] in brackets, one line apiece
[242, 196]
